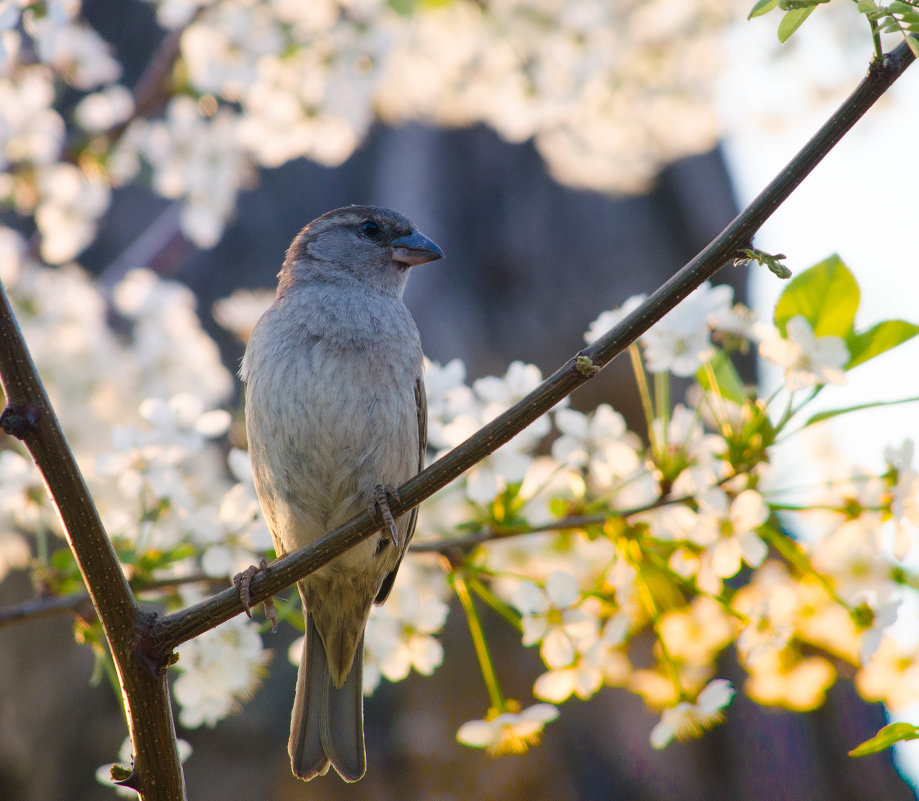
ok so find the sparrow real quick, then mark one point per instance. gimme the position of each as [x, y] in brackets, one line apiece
[335, 418]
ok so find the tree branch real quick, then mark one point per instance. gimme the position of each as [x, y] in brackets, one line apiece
[80, 605]
[174, 629]
[490, 534]
[30, 417]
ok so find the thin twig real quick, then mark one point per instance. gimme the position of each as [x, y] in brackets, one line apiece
[79, 604]
[489, 534]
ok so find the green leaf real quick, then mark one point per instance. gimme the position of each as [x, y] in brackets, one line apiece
[820, 416]
[826, 295]
[792, 21]
[727, 381]
[558, 507]
[892, 733]
[879, 338]
[403, 7]
[772, 261]
[62, 559]
[762, 7]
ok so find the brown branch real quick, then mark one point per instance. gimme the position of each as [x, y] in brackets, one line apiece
[487, 534]
[30, 417]
[491, 534]
[181, 626]
[80, 605]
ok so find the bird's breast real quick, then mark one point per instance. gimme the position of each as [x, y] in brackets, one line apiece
[331, 413]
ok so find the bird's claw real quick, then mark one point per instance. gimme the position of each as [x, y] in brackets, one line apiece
[380, 500]
[241, 582]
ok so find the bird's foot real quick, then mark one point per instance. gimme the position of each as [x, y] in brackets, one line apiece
[380, 500]
[242, 580]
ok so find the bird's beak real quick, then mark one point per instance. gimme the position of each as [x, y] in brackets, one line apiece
[415, 249]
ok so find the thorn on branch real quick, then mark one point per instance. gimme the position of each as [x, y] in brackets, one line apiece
[125, 777]
[20, 420]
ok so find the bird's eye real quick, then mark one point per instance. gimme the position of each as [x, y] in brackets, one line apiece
[370, 228]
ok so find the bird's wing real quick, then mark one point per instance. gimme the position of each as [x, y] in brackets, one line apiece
[421, 405]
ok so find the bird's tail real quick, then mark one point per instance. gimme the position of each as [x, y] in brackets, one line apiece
[327, 724]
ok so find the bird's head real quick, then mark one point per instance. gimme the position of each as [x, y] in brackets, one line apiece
[367, 243]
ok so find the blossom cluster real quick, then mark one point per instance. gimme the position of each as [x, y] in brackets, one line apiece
[608, 541]
[145, 412]
[261, 82]
[586, 537]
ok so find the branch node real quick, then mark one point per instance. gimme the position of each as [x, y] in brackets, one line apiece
[454, 557]
[586, 366]
[20, 420]
[144, 647]
[772, 261]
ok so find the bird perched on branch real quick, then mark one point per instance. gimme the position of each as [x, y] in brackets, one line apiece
[336, 417]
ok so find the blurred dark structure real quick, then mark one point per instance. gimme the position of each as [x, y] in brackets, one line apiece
[529, 265]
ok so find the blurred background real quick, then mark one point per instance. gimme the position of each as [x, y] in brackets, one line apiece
[530, 263]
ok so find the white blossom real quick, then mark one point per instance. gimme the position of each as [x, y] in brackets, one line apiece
[457, 411]
[726, 531]
[680, 342]
[176, 13]
[687, 720]
[17, 479]
[104, 109]
[554, 618]
[884, 617]
[170, 348]
[222, 55]
[508, 732]
[67, 214]
[217, 671]
[197, 158]
[601, 663]
[731, 526]
[610, 319]
[399, 636]
[808, 360]
[74, 50]
[31, 131]
[770, 619]
[239, 313]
